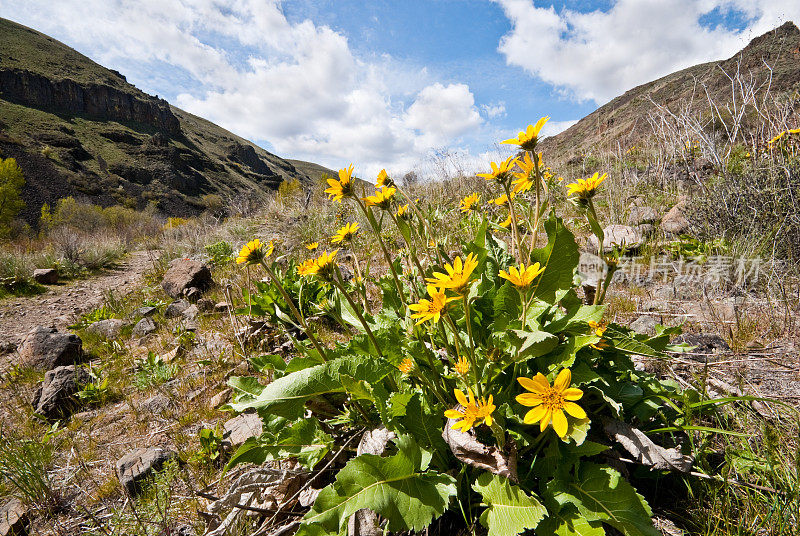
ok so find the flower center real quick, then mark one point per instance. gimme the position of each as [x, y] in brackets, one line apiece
[553, 399]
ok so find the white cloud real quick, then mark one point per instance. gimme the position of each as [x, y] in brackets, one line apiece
[551, 128]
[494, 110]
[598, 55]
[296, 85]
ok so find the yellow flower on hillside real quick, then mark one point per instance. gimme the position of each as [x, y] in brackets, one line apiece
[343, 187]
[526, 178]
[503, 199]
[254, 252]
[794, 131]
[780, 135]
[523, 276]
[458, 274]
[383, 180]
[322, 267]
[550, 403]
[586, 188]
[462, 366]
[472, 410]
[406, 366]
[507, 222]
[527, 140]
[600, 331]
[470, 203]
[345, 234]
[402, 212]
[502, 172]
[312, 246]
[382, 198]
[431, 309]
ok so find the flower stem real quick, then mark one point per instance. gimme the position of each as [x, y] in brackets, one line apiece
[478, 385]
[338, 282]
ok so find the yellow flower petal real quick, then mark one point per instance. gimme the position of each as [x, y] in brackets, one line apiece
[575, 410]
[462, 399]
[535, 415]
[572, 394]
[563, 380]
[559, 423]
[529, 399]
[548, 414]
[537, 384]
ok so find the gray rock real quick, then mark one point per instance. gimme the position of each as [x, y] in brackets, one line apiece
[205, 305]
[55, 396]
[591, 268]
[647, 229]
[176, 308]
[645, 324]
[242, 427]
[144, 327]
[143, 312]
[704, 343]
[13, 518]
[642, 214]
[158, 403]
[184, 274]
[45, 348]
[191, 312]
[46, 276]
[192, 294]
[136, 466]
[107, 329]
[619, 235]
[221, 307]
[675, 221]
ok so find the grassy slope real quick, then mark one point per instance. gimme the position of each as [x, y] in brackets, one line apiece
[624, 119]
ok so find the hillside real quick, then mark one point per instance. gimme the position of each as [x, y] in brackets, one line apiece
[77, 128]
[624, 120]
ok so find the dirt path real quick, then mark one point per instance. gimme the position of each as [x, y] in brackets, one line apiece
[61, 305]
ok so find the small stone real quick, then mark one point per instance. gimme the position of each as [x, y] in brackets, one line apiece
[618, 235]
[644, 324]
[176, 308]
[220, 398]
[205, 305]
[158, 403]
[675, 221]
[191, 312]
[647, 229]
[221, 307]
[184, 274]
[242, 427]
[192, 294]
[143, 312]
[642, 214]
[45, 348]
[45, 276]
[107, 329]
[13, 518]
[138, 465]
[704, 343]
[55, 396]
[144, 327]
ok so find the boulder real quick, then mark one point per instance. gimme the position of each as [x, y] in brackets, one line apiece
[144, 327]
[704, 343]
[176, 308]
[136, 466]
[106, 329]
[184, 274]
[55, 396]
[46, 276]
[144, 312]
[618, 235]
[239, 429]
[645, 324]
[13, 518]
[45, 348]
[675, 221]
[205, 305]
[191, 312]
[642, 214]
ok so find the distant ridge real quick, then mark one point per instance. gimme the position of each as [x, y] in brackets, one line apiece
[623, 121]
[79, 129]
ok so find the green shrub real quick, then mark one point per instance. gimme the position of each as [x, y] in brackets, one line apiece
[11, 183]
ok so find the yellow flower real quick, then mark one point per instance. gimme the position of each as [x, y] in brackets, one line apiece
[345, 234]
[254, 252]
[600, 332]
[550, 403]
[780, 135]
[507, 222]
[527, 140]
[471, 411]
[794, 131]
[527, 177]
[382, 198]
[402, 211]
[406, 366]
[312, 246]
[342, 187]
[503, 199]
[470, 203]
[462, 366]
[502, 172]
[383, 180]
[431, 309]
[458, 274]
[323, 266]
[586, 188]
[522, 277]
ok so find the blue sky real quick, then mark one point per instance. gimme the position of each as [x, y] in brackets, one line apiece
[395, 83]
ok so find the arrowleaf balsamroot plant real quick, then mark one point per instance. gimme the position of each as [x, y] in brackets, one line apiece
[495, 381]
